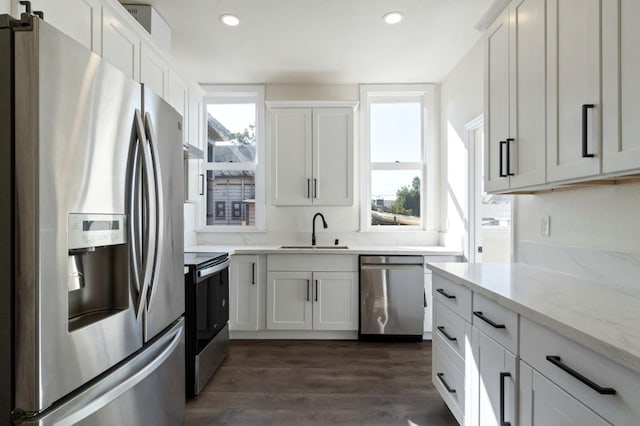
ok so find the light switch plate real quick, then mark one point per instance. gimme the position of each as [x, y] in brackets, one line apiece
[545, 226]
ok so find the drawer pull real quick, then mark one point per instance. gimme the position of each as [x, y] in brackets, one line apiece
[555, 360]
[487, 320]
[502, 377]
[445, 334]
[445, 294]
[445, 384]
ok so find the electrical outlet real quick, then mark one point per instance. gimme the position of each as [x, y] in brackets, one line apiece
[545, 226]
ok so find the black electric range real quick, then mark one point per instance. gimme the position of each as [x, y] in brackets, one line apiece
[206, 317]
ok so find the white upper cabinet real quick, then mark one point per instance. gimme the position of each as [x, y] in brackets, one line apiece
[620, 85]
[574, 108]
[79, 20]
[120, 44]
[195, 126]
[515, 103]
[154, 71]
[312, 156]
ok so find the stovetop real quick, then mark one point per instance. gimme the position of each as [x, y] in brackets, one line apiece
[200, 260]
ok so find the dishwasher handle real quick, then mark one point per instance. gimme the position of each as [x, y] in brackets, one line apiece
[382, 266]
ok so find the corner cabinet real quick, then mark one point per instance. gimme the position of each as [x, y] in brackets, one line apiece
[515, 100]
[312, 153]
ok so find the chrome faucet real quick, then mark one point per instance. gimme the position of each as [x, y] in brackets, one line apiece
[313, 231]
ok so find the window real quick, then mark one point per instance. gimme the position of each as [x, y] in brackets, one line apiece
[234, 158]
[398, 139]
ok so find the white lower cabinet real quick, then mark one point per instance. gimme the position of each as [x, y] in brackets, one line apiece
[298, 300]
[493, 392]
[542, 403]
[244, 284]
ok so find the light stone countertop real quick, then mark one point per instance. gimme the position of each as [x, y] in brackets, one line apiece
[352, 249]
[604, 319]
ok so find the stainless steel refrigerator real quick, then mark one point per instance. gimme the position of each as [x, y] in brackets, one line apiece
[91, 234]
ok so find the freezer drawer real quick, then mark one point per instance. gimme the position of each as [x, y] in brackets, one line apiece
[147, 389]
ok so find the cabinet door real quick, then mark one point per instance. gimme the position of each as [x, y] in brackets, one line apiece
[289, 303]
[243, 293]
[496, 104]
[333, 156]
[154, 71]
[80, 20]
[544, 404]
[335, 300]
[621, 85]
[195, 127]
[527, 79]
[494, 387]
[120, 44]
[291, 157]
[573, 70]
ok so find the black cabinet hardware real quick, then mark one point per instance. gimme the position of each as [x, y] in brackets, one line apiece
[315, 188]
[253, 274]
[502, 173]
[508, 141]
[487, 320]
[202, 184]
[502, 377]
[308, 188]
[308, 286]
[316, 290]
[445, 294]
[445, 384]
[585, 130]
[555, 360]
[445, 334]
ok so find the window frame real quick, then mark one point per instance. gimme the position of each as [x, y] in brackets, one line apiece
[239, 94]
[425, 94]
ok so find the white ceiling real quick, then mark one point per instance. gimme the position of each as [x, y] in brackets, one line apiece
[320, 41]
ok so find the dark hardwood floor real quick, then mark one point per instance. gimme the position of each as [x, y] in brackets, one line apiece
[302, 382]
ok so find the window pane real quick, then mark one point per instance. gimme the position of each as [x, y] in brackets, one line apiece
[395, 132]
[231, 197]
[395, 197]
[231, 133]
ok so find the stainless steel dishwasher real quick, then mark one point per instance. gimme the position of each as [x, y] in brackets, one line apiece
[391, 298]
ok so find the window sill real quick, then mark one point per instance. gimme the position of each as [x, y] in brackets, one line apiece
[228, 229]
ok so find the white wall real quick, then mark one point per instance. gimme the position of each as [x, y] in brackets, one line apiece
[462, 101]
[601, 217]
[292, 225]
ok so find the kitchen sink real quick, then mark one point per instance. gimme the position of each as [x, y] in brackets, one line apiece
[314, 247]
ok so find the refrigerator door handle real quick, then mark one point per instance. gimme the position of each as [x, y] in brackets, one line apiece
[157, 207]
[94, 403]
[133, 209]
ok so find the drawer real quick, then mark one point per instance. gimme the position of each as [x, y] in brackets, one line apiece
[449, 382]
[454, 296]
[622, 408]
[496, 321]
[451, 328]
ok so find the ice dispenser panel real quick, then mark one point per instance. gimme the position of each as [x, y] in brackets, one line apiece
[98, 267]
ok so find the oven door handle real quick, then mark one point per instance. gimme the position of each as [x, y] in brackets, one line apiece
[204, 273]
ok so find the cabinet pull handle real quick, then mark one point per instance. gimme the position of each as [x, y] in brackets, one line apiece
[508, 142]
[585, 130]
[487, 320]
[316, 290]
[445, 294]
[445, 384]
[502, 377]
[308, 188]
[502, 173]
[445, 334]
[202, 183]
[253, 274]
[555, 360]
[315, 188]
[308, 286]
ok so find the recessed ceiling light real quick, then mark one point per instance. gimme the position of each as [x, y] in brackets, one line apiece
[392, 17]
[229, 19]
